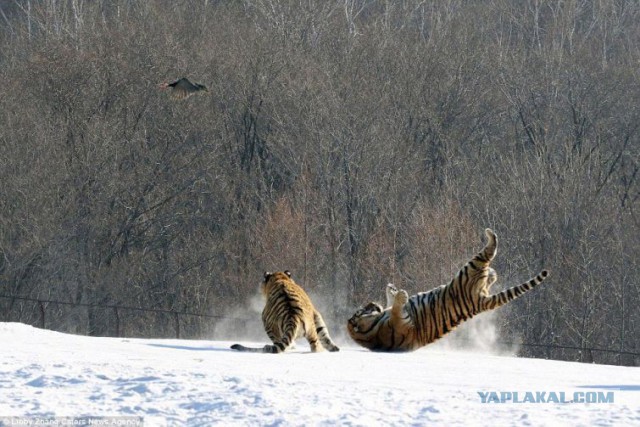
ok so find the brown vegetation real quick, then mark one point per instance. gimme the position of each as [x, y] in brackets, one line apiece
[352, 142]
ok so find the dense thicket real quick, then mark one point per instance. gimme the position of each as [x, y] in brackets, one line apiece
[352, 142]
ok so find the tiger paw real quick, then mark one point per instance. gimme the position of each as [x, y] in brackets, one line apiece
[332, 348]
[492, 276]
[391, 288]
[401, 297]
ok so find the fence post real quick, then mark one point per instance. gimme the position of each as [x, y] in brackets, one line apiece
[177, 321]
[117, 316]
[41, 307]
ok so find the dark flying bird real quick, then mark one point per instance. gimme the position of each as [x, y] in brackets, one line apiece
[183, 88]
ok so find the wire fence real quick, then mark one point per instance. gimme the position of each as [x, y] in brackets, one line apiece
[176, 315]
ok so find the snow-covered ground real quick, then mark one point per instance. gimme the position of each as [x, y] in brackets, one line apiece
[44, 375]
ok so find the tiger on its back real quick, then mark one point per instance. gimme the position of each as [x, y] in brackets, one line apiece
[409, 323]
[289, 314]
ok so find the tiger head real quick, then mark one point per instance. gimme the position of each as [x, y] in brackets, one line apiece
[362, 325]
[364, 318]
[271, 279]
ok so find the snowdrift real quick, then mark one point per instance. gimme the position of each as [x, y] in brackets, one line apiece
[46, 375]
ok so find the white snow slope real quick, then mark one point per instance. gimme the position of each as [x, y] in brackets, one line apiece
[46, 376]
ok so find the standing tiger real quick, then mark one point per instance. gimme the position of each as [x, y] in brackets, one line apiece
[409, 323]
[289, 314]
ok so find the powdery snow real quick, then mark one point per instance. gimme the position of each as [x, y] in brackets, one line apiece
[180, 382]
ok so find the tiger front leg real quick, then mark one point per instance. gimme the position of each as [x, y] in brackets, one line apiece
[398, 311]
[390, 293]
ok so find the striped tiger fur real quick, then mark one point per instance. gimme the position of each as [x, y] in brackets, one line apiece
[289, 314]
[408, 323]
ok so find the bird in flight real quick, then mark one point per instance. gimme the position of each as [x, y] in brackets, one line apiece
[183, 88]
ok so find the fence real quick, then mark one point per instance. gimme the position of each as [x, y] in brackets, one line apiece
[117, 310]
[176, 315]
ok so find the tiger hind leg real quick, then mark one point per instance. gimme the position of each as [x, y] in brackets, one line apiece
[322, 333]
[492, 276]
[281, 342]
[500, 299]
[486, 255]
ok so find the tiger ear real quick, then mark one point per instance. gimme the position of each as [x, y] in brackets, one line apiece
[267, 275]
[287, 272]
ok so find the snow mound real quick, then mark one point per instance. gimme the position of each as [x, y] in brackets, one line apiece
[45, 374]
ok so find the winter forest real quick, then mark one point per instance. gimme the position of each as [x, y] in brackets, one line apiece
[352, 142]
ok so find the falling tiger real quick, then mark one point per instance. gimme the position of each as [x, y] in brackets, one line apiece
[289, 314]
[409, 323]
